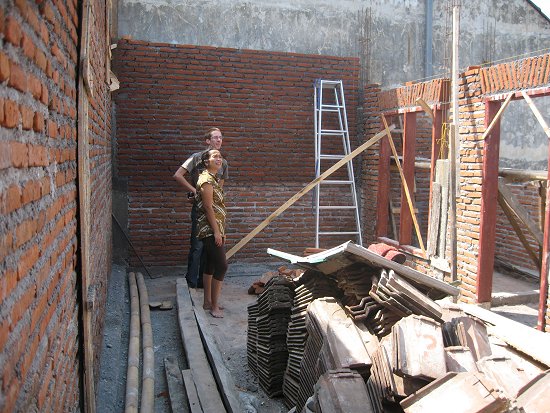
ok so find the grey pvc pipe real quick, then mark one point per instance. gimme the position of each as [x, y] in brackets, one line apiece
[132, 373]
[148, 372]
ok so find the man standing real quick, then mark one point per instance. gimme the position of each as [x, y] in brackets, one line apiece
[193, 167]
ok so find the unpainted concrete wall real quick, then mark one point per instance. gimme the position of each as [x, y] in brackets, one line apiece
[388, 36]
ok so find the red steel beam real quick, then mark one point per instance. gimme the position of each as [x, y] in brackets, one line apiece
[545, 266]
[489, 200]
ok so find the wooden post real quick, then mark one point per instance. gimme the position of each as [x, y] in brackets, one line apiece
[384, 188]
[454, 144]
[407, 212]
[83, 161]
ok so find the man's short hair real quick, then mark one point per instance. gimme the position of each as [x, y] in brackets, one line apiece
[208, 134]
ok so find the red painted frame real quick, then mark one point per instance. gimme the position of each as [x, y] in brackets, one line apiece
[409, 139]
[484, 282]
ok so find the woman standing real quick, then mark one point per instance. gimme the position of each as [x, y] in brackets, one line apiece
[211, 223]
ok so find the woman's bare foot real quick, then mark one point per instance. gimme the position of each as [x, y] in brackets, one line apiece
[216, 313]
[221, 307]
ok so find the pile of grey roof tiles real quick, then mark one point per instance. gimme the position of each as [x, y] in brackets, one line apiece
[377, 343]
[267, 338]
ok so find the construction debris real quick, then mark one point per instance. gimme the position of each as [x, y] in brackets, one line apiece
[362, 333]
[258, 287]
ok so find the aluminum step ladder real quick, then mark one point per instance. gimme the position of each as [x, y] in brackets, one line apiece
[331, 122]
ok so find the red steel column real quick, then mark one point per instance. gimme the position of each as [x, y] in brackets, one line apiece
[489, 200]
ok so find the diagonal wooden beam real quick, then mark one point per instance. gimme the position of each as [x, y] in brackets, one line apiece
[520, 211]
[497, 116]
[536, 112]
[425, 107]
[515, 225]
[304, 191]
[404, 182]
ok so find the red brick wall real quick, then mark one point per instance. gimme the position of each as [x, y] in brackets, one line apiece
[262, 102]
[475, 87]
[100, 163]
[39, 342]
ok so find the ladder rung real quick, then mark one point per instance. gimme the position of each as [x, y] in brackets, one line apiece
[339, 233]
[337, 207]
[333, 182]
[327, 82]
[333, 131]
[331, 156]
[326, 107]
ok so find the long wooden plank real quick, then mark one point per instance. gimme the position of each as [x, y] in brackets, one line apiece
[225, 381]
[519, 211]
[527, 340]
[84, 185]
[304, 191]
[442, 176]
[191, 391]
[207, 390]
[512, 219]
[176, 390]
[404, 183]
[383, 196]
[435, 214]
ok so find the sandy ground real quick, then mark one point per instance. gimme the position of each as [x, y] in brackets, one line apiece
[230, 332]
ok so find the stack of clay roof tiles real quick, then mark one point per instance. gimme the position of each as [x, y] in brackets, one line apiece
[267, 337]
[366, 335]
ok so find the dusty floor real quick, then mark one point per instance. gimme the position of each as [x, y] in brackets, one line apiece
[231, 332]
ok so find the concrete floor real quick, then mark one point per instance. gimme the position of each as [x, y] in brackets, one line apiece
[231, 331]
[512, 297]
[516, 298]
